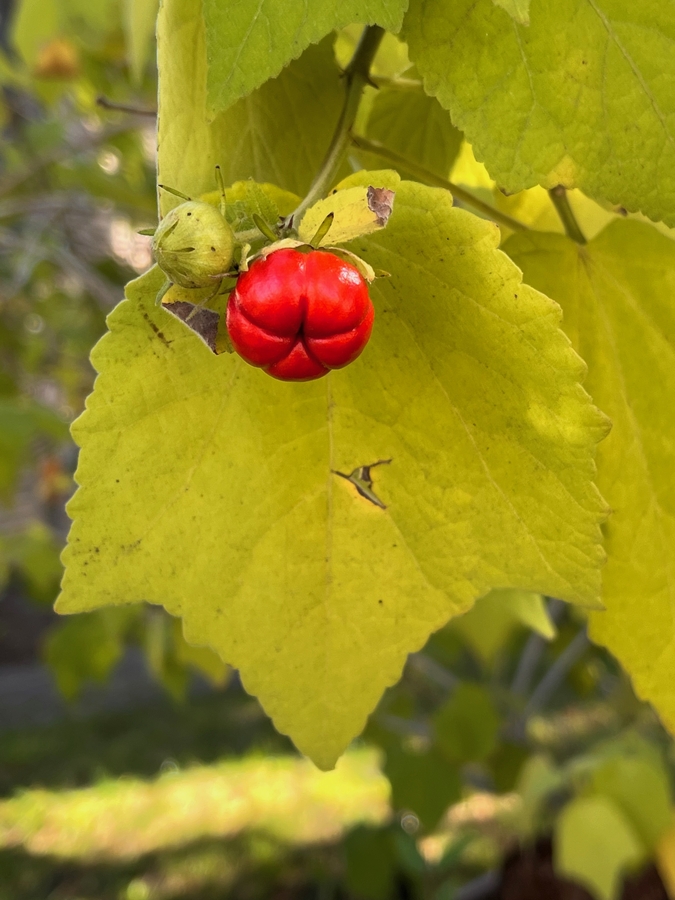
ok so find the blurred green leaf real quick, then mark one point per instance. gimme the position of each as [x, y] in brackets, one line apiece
[466, 726]
[424, 783]
[493, 619]
[36, 554]
[538, 779]
[35, 22]
[22, 420]
[640, 787]
[370, 862]
[595, 845]
[87, 647]
[139, 29]
[506, 765]
[408, 855]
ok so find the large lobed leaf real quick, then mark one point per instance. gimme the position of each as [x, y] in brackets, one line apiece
[584, 96]
[247, 43]
[209, 487]
[617, 297]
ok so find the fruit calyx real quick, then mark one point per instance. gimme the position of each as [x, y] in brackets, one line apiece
[194, 245]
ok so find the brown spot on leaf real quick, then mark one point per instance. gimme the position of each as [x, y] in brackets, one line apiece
[158, 331]
[381, 202]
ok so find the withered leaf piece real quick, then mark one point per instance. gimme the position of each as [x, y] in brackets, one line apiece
[362, 480]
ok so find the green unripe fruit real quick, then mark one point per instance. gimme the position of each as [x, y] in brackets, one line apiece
[194, 245]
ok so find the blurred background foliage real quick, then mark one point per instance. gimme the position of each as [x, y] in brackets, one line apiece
[512, 760]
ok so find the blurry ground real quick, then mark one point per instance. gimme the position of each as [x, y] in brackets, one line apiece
[156, 800]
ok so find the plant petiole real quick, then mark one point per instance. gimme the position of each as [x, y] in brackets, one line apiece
[562, 205]
[357, 76]
[430, 178]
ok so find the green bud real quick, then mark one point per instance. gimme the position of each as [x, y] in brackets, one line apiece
[194, 245]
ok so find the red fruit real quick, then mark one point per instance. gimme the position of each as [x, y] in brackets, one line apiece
[298, 315]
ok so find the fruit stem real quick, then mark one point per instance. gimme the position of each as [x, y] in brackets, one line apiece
[357, 76]
[428, 177]
[561, 202]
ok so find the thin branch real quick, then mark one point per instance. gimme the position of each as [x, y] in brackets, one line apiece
[357, 76]
[433, 671]
[430, 178]
[557, 674]
[561, 202]
[60, 154]
[532, 653]
[103, 291]
[123, 107]
[404, 727]
[483, 887]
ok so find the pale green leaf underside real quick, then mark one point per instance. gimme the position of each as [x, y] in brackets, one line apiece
[278, 134]
[417, 127]
[208, 486]
[519, 10]
[248, 43]
[139, 18]
[617, 298]
[583, 96]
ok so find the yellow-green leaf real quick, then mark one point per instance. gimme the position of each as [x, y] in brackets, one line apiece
[639, 785]
[210, 488]
[584, 96]
[616, 293]
[356, 211]
[250, 42]
[595, 845]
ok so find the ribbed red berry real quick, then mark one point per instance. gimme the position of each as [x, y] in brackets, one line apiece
[298, 315]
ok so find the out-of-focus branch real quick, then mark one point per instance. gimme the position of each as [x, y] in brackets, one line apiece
[60, 154]
[103, 291]
[557, 673]
[433, 671]
[123, 107]
[533, 652]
